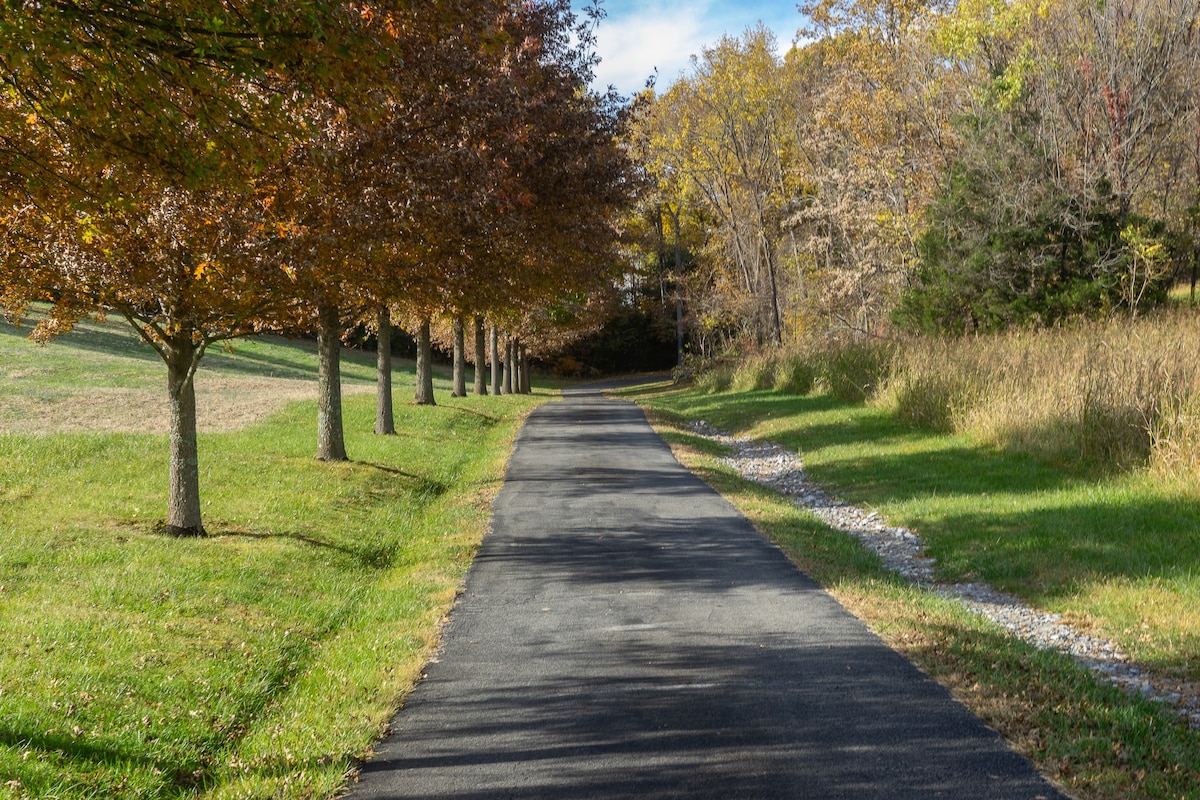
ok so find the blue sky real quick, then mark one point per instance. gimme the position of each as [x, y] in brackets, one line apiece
[639, 35]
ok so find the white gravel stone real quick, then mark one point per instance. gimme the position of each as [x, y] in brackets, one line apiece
[903, 551]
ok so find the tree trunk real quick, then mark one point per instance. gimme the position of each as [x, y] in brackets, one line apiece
[460, 358]
[480, 358]
[675, 214]
[678, 328]
[331, 443]
[424, 395]
[776, 317]
[508, 365]
[518, 367]
[385, 420]
[494, 348]
[183, 497]
[1195, 263]
[526, 384]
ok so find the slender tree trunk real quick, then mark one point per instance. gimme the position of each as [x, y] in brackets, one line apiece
[424, 394]
[526, 383]
[508, 365]
[494, 349]
[776, 317]
[675, 215]
[1195, 264]
[480, 357]
[662, 252]
[183, 497]
[678, 328]
[331, 443]
[385, 420]
[518, 367]
[460, 358]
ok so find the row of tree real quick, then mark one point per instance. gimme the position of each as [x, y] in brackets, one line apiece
[210, 169]
[936, 164]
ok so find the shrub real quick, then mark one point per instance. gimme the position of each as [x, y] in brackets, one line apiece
[1118, 394]
[795, 374]
[715, 378]
[756, 373]
[852, 372]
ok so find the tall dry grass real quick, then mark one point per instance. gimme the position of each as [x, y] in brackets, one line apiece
[1109, 395]
[1104, 395]
[850, 372]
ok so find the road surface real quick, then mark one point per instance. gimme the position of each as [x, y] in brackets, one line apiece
[624, 632]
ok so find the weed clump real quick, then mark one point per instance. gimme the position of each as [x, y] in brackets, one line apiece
[850, 372]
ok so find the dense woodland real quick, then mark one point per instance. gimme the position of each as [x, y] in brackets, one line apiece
[940, 167]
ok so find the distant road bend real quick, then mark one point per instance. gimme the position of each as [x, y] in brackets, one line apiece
[624, 632]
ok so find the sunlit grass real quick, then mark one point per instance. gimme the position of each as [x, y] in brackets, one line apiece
[263, 659]
[102, 377]
[1058, 538]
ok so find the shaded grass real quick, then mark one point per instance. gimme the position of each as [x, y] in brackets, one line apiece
[260, 661]
[1117, 554]
[110, 353]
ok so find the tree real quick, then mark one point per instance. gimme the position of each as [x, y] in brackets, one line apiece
[875, 139]
[517, 196]
[1069, 195]
[317, 207]
[424, 390]
[720, 131]
[494, 355]
[385, 422]
[460, 358]
[135, 138]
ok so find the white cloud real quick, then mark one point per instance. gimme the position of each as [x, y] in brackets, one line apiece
[639, 35]
[631, 48]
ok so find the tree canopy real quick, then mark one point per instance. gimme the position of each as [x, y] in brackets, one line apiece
[947, 166]
[209, 170]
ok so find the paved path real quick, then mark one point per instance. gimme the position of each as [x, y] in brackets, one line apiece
[625, 633]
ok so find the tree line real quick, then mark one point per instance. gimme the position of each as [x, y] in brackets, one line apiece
[929, 165]
[208, 170]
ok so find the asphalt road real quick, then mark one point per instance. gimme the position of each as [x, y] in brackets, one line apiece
[624, 632]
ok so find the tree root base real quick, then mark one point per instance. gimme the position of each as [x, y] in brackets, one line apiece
[179, 532]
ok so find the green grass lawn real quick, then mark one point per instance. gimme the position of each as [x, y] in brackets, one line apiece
[262, 660]
[1119, 554]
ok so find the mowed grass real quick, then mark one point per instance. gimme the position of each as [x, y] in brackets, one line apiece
[263, 660]
[102, 377]
[1118, 554]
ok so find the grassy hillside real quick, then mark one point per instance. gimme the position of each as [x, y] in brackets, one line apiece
[102, 377]
[262, 660]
